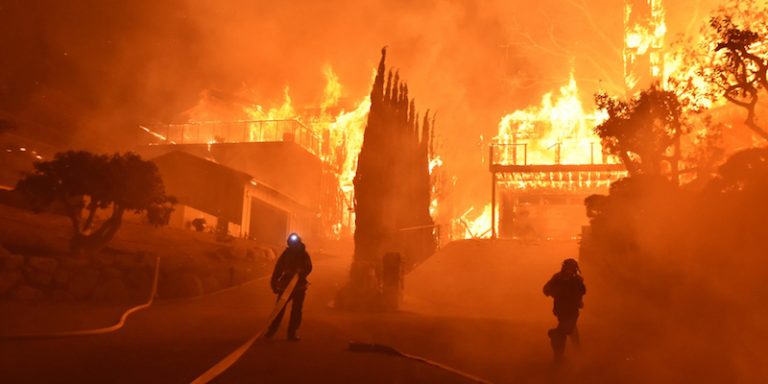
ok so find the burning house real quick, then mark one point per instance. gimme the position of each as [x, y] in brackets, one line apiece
[282, 162]
[308, 156]
[307, 159]
[544, 161]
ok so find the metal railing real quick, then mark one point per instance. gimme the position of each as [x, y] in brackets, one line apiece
[517, 153]
[509, 153]
[239, 131]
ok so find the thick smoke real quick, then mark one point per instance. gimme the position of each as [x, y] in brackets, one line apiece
[85, 73]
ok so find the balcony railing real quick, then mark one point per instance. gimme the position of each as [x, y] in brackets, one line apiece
[239, 131]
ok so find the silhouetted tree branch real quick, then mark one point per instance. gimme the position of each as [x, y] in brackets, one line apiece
[643, 131]
[741, 74]
[727, 62]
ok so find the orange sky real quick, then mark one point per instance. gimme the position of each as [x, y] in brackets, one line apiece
[90, 71]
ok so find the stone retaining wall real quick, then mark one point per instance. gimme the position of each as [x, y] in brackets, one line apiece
[127, 278]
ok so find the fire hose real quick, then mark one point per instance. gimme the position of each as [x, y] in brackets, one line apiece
[356, 346]
[96, 331]
[235, 355]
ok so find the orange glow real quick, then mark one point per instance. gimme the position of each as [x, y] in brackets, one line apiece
[435, 164]
[347, 136]
[257, 132]
[478, 227]
[335, 137]
[557, 131]
[644, 36]
[332, 90]
[563, 181]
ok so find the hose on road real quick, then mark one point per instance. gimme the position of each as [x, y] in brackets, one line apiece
[356, 346]
[235, 355]
[96, 331]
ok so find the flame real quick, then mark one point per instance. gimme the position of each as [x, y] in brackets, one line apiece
[345, 137]
[436, 177]
[346, 133]
[345, 130]
[690, 82]
[644, 36]
[562, 181]
[332, 90]
[433, 206]
[434, 163]
[477, 228]
[335, 137]
[558, 131]
[284, 111]
[263, 132]
[691, 68]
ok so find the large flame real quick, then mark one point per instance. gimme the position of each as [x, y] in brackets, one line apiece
[346, 134]
[475, 225]
[332, 90]
[644, 31]
[334, 136]
[558, 131]
[284, 111]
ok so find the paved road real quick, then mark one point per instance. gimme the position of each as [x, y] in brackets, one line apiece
[175, 341]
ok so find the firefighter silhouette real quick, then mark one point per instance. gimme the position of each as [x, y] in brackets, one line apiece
[293, 260]
[567, 289]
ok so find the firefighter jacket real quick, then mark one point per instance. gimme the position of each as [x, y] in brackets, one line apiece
[294, 259]
[567, 289]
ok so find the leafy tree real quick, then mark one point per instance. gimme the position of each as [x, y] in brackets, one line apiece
[644, 131]
[86, 184]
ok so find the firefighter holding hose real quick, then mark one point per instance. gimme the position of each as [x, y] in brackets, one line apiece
[293, 260]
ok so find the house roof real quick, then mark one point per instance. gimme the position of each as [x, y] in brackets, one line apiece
[204, 184]
[214, 188]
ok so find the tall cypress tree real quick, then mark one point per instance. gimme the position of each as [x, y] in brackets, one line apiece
[392, 187]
